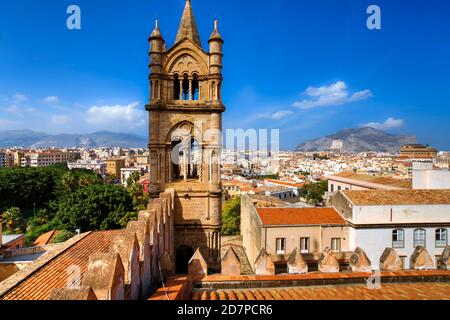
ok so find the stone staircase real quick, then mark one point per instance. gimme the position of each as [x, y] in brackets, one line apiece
[236, 243]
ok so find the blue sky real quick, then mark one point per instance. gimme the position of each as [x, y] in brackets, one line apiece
[309, 68]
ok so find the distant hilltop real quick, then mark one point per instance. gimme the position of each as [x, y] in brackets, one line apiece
[32, 139]
[359, 140]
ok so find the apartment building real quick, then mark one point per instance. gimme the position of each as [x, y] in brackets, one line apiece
[93, 165]
[399, 219]
[113, 166]
[49, 157]
[280, 230]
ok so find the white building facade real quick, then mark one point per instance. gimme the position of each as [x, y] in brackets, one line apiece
[401, 220]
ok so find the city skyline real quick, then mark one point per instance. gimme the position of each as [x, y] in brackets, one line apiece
[331, 72]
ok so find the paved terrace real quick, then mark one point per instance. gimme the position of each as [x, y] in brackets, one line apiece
[401, 285]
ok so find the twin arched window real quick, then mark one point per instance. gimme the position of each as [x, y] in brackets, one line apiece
[186, 88]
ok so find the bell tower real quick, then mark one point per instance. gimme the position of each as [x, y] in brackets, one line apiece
[185, 141]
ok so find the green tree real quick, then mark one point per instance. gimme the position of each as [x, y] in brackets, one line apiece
[34, 232]
[94, 207]
[12, 220]
[231, 217]
[63, 236]
[39, 219]
[28, 187]
[314, 192]
[133, 178]
[72, 180]
[136, 192]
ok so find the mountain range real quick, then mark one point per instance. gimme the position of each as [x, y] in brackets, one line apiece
[28, 138]
[359, 140]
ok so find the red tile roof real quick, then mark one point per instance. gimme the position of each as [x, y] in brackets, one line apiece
[384, 181]
[398, 197]
[285, 183]
[300, 216]
[55, 272]
[389, 291]
[46, 238]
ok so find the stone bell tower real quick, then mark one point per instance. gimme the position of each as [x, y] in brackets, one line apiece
[185, 142]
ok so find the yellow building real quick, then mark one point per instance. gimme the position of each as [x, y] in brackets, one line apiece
[418, 151]
[113, 166]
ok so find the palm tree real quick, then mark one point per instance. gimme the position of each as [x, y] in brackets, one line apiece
[12, 219]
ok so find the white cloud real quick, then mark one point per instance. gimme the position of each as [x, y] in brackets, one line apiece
[117, 116]
[278, 115]
[332, 95]
[389, 123]
[51, 99]
[19, 97]
[59, 119]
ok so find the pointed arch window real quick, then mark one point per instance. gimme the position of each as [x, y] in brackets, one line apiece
[195, 88]
[185, 91]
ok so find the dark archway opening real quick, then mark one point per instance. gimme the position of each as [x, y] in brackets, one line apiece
[176, 88]
[195, 88]
[185, 87]
[184, 254]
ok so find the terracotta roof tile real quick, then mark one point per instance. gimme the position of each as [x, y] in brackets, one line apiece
[46, 238]
[388, 291]
[398, 197]
[387, 181]
[300, 216]
[56, 272]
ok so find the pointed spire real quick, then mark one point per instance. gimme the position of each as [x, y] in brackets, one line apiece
[215, 34]
[188, 28]
[156, 32]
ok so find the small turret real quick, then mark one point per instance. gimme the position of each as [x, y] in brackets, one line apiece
[215, 35]
[156, 49]
[215, 50]
[215, 64]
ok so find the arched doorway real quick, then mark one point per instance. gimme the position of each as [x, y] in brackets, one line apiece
[184, 254]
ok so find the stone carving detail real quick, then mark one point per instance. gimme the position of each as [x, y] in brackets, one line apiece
[185, 64]
[390, 261]
[328, 262]
[105, 275]
[167, 266]
[197, 265]
[231, 265]
[127, 246]
[264, 265]
[444, 261]
[359, 262]
[296, 264]
[421, 259]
